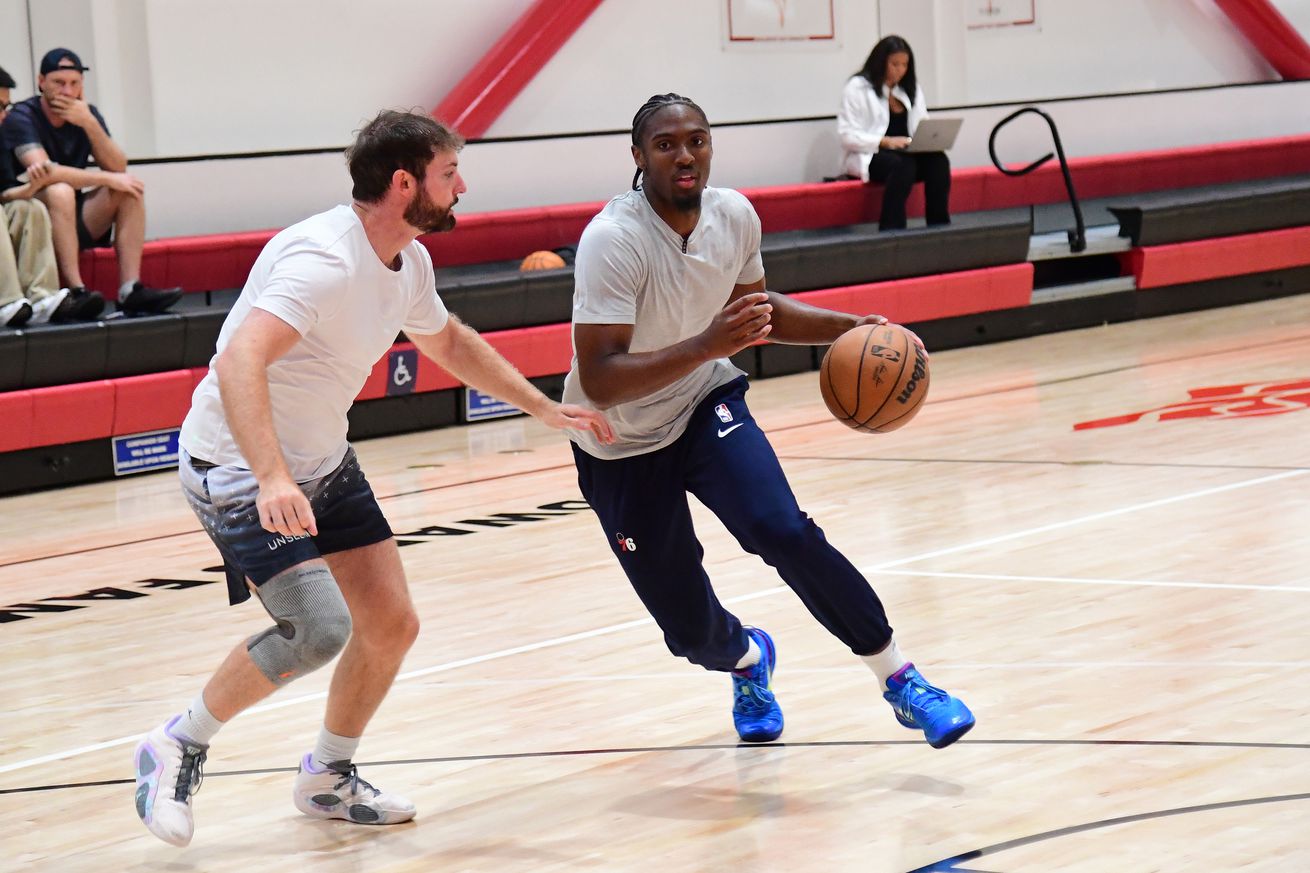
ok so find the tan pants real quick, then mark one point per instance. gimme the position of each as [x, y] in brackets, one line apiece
[27, 256]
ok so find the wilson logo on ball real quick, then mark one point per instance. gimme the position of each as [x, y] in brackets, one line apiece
[920, 371]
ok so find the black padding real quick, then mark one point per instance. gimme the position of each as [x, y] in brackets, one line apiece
[1215, 210]
[61, 354]
[391, 415]
[1229, 291]
[149, 344]
[52, 466]
[13, 359]
[551, 386]
[484, 296]
[776, 359]
[200, 335]
[857, 254]
[748, 359]
[499, 297]
[782, 264]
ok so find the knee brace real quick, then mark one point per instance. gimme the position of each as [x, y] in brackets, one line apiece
[313, 623]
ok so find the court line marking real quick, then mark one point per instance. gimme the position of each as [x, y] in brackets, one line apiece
[614, 628]
[1084, 519]
[953, 862]
[702, 747]
[1074, 580]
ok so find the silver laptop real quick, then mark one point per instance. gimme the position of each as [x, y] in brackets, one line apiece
[935, 135]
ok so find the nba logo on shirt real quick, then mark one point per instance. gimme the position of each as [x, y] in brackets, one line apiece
[722, 412]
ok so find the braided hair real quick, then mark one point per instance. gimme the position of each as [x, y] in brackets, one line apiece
[648, 110]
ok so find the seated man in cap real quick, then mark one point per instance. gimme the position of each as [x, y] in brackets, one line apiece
[48, 142]
[29, 282]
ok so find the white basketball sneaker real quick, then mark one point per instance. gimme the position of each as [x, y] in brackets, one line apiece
[337, 792]
[168, 772]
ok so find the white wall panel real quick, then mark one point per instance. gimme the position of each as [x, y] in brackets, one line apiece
[15, 50]
[247, 194]
[196, 77]
[631, 49]
[1078, 49]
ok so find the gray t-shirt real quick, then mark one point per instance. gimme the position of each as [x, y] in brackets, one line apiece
[632, 269]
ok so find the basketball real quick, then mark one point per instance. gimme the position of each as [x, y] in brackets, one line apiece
[874, 378]
[542, 260]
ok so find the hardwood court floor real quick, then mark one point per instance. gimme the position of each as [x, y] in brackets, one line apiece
[1124, 607]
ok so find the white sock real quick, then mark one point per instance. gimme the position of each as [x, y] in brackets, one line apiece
[198, 724]
[332, 748]
[126, 288]
[886, 663]
[752, 656]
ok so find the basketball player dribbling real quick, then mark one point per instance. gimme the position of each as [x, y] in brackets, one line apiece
[267, 469]
[669, 284]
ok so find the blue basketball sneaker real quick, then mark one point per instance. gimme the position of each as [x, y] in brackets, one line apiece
[920, 706]
[755, 712]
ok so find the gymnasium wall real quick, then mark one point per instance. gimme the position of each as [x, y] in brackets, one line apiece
[195, 78]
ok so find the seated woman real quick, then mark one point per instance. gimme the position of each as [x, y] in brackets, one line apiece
[881, 106]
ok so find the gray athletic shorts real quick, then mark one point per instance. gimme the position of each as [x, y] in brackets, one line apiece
[223, 498]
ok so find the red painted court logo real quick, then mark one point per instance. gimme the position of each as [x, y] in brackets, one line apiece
[1227, 401]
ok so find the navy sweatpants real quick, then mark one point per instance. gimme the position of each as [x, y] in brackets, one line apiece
[726, 461]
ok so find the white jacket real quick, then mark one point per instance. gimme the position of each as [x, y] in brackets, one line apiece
[863, 118]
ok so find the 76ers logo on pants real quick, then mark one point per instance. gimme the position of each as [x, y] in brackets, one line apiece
[625, 544]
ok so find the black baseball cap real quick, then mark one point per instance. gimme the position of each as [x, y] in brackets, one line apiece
[61, 59]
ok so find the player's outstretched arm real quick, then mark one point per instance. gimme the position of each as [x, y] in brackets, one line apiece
[468, 357]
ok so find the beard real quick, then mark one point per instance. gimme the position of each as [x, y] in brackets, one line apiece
[427, 216]
[687, 202]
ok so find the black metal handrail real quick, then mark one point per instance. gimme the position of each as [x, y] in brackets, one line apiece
[1077, 236]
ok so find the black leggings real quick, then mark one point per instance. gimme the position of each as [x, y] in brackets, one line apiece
[899, 171]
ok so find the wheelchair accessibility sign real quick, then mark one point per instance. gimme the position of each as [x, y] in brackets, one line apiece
[402, 370]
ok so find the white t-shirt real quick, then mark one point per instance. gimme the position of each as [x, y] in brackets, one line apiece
[323, 278]
[863, 119]
[632, 269]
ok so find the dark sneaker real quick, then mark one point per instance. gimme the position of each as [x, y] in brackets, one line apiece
[144, 300]
[15, 314]
[78, 304]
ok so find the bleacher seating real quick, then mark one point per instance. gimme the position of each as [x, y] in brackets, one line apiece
[65, 389]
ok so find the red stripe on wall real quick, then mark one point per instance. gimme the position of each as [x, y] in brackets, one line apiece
[482, 95]
[1272, 35]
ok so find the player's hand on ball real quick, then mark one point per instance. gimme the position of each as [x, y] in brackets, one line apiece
[882, 319]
